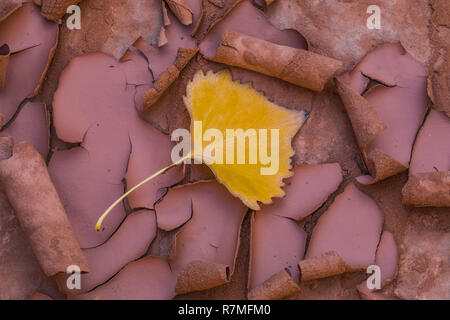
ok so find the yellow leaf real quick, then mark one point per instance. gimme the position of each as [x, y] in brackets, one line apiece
[220, 103]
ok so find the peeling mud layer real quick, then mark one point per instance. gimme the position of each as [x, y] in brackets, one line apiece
[86, 114]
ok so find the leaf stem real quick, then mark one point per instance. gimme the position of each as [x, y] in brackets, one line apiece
[98, 225]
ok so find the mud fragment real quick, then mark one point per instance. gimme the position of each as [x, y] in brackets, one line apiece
[165, 63]
[245, 18]
[386, 259]
[32, 124]
[429, 175]
[56, 9]
[32, 42]
[387, 116]
[423, 270]
[36, 204]
[149, 278]
[438, 87]
[201, 275]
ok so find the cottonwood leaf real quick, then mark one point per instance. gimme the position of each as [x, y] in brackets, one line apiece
[221, 103]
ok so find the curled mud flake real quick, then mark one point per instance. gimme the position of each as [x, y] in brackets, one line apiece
[95, 106]
[32, 42]
[350, 39]
[31, 124]
[5, 53]
[181, 10]
[276, 287]
[131, 20]
[56, 9]
[149, 278]
[429, 189]
[423, 269]
[387, 259]
[345, 237]
[128, 243]
[387, 116]
[210, 13]
[210, 235]
[325, 265]
[364, 118]
[429, 175]
[277, 245]
[161, 58]
[167, 77]
[306, 190]
[40, 296]
[165, 14]
[39, 210]
[239, 50]
[244, 38]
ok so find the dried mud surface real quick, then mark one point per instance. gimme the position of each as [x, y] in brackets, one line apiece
[336, 29]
